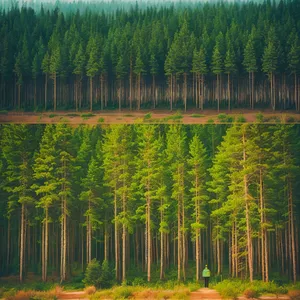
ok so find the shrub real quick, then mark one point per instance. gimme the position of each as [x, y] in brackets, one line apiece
[3, 112]
[101, 120]
[290, 120]
[87, 115]
[90, 290]
[259, 117]
[294, 295]
[251, 293]
[222, 117]
[147, 116]
[138, 281]
[106, 275]
[241, 119]
[197, 116]
[122, 292]
[92, 273]
[52, 115]
[9, 293]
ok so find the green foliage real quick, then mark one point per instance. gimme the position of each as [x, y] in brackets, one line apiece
[100, 120]
[222, 117]
[197, 115]
[92, 275]
[138, 281]
[106, 278]
[240, 119]
[52, 115]
[147, 116]
[87, 115]
[260, 118]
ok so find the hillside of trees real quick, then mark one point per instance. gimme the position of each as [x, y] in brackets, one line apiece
[160, 201]
[197, 55]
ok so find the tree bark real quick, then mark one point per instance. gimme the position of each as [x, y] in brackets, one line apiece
[247, 212]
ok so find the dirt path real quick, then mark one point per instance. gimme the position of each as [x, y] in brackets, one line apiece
[205, 293]
[72, 296]
[152, 117]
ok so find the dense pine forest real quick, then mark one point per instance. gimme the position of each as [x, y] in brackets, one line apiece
[197, 55]
[153, 201]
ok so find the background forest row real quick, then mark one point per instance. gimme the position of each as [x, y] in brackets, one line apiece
[185, 56]
[157, 202]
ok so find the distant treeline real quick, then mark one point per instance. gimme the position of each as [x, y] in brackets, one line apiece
[217, 55]
[156, 201]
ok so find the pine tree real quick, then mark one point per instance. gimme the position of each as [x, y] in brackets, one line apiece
[198, 166]
[148, 167]
[46, 187]
[200, 69]
[92, 67]
[250, 63]
[229, 68]
[217, 69]
[294, 67]
[154, 69]
[54, 68]
[139, 69]
[175, 152]
[269, 66]
[46, 71]
[79, 70]
[63, 134]
[18, 145]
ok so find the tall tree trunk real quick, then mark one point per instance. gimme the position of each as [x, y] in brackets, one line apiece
[162, 250]
[34, 94]
[153, 91]
[22, 241]
[228, 88]
[292, 231]
[130, 86]
[19, 96]
[149, 238]
[185, 90]
[91, 93]
[54, 91]
[116, 235]
[295, 92]
[179, 242]
[247, 212]
[252, 90]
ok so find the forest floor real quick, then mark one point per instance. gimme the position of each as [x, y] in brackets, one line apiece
[149, 117]
[203, 293]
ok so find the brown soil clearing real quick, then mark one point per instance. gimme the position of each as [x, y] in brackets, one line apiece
[133, 117]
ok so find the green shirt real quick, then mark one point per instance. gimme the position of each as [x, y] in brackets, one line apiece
[206, 272]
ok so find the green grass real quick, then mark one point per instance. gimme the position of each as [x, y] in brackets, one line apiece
[128, 115]
[174, 117]
[100, 120]
[3, 112]
[52, 115]
[196, 116]
[232, 288]
[87, 115]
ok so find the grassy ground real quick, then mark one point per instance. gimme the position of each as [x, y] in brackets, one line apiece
[229, 289]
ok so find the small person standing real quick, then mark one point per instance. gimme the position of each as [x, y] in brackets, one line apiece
[206, 275]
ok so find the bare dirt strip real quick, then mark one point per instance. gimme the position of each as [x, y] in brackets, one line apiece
[205, 293]
[145, 116]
